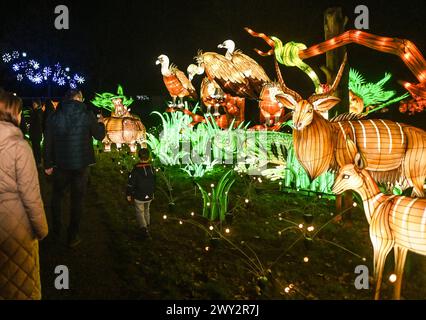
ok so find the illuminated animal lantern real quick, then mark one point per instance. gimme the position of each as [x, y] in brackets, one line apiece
[177, 83]
[212, 96]
[392, 150]
[248, 67]
[236, 74]
[271, 110]
[396, 222]
[122, 127]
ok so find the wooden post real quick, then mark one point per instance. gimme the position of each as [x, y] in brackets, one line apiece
[334, 25]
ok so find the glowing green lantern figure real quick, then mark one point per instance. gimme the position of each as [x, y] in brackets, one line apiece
[122, 127]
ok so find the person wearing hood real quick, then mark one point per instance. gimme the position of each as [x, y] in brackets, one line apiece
[68, 153]
[22, 216]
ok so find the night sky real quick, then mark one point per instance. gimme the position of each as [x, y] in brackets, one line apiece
[113, 42]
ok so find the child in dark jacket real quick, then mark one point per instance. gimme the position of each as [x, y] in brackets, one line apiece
[140, 188]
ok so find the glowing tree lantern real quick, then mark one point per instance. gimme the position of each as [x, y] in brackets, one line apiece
[122, 127]
[293, 54]
[370, 96]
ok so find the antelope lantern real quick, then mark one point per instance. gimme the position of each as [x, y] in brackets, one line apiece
[392, 150]
[396, 222]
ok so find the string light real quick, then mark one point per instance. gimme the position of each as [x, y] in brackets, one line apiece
[247, 201]
[165, 217]
[311, 228]
[300, 226]
[227, 230]
[355, 205]
[207, 248]
[392, 278]
[211, 228]
[192, 214]
[306, 259]
[287, 290]
[181, 222]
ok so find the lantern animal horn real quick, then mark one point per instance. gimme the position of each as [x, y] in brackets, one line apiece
[268, 40]
[336, 82]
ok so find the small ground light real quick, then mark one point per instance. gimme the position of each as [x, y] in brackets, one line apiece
[355, 204]
[392, 278]
[208, 204]
[212, 185]
[279, 233]
[306, 259]
[300, 226]
[192, 214]
[211, 228]
[207, 248]
[311, 228]
[247, 201]
[227, 230]
[364, 259]
[287, 290]
[180, 222]
[165, 217]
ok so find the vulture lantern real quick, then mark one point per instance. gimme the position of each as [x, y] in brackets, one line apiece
[177, 83]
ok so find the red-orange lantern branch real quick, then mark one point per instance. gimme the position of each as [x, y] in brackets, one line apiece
[403, 48]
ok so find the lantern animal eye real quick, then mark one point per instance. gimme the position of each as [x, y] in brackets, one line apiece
[346, 176]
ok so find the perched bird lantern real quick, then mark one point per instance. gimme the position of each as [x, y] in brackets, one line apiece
[122, 127]
[177, 83]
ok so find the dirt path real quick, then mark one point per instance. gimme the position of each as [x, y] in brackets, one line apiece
[91, 266]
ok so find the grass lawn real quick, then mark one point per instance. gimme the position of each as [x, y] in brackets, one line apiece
[262, 256]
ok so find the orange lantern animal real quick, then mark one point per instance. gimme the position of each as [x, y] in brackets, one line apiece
[176, 81]
[271, 110]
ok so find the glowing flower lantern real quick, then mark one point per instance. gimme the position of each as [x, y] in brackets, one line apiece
[122, 127]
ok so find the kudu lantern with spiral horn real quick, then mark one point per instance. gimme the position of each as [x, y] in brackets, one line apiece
[393, 151]
[396, 222]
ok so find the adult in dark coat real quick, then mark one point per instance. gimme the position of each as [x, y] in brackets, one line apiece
[68, 154]
[48, 110]
[36, 129]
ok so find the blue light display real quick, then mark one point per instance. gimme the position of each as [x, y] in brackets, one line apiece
[33, 71]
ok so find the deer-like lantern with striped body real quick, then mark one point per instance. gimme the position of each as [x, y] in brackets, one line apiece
[396, 222]
[393, 151]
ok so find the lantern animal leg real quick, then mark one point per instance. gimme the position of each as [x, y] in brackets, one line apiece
[400, 257]
[181, 104]
[382, 248]
[382, 240]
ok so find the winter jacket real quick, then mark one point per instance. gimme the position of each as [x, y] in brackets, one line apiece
[141, 185]
[22, 217]
[68, 142]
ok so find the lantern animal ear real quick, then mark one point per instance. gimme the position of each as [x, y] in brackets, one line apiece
[325, 104]
[287, 100]
[359, 161]
[352, 149]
